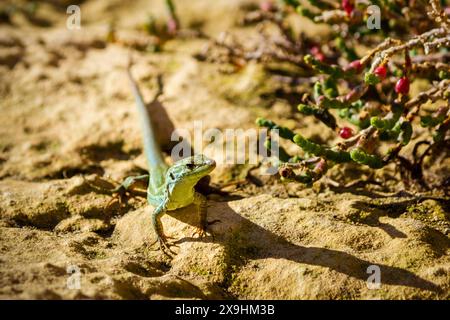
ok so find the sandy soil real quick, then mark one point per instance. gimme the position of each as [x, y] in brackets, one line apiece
[68, 128]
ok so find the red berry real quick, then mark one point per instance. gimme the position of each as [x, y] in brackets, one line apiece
[402, 86]
[317, 53]
[266, 6]
[381, 72]
[345, 133]
[348, 6]
[356, 65]
[320, 56]
[314, 50]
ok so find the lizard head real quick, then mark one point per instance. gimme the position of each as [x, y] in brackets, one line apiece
[191, 169]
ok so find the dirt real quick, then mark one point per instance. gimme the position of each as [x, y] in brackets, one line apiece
[68, 131]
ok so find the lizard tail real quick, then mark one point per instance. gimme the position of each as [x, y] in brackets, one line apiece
[151, 147]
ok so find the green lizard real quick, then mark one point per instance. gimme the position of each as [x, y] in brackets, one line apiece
[169, 187]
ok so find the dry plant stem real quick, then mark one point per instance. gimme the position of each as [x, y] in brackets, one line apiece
[428, 69]
[391, 47]
[363, 134]
[439, 15]
[435, 57]
[281, 48]
[278, 19]
[415, 167]
[434, 94]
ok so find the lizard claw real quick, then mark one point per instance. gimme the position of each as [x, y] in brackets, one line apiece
[202, 231]
[120, 195]
[165, 245]
[125, 190]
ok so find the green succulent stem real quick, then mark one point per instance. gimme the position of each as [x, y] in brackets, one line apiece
[283, 132]
[360, 156]
[321, 114]
[283, 156]
[324, 68]
[313, 148]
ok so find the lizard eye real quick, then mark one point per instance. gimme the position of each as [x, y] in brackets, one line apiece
[172, 176]
[190, 166]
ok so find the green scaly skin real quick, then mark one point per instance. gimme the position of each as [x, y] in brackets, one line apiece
[169, 187]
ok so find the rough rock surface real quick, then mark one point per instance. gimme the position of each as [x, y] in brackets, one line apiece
[68, 127]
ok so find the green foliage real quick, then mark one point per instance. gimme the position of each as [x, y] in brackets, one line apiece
[362, 91]
[371, 79]
[316, 149]
[360, 156]
[282, 131]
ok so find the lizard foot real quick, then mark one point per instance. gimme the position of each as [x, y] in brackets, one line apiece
[202, 231]
[165, 246]
[126, 190]
[120, 195]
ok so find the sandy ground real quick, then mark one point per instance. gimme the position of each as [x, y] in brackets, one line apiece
[68, 128]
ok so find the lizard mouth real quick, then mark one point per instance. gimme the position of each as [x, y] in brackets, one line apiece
[209, 165]
[200, 164]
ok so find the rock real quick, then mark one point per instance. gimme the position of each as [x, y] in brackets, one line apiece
[68, 130]
[134, 229]
[9, 57]
[78, 223]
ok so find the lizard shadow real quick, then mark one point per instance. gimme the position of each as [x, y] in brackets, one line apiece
[162, 123]
[358, 191]
[260, 243]
[376, 212]
[392, 210]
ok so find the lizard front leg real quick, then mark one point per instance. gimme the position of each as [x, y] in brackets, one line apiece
[202, 205]
[121, 192]
[202, 208]
[158, 228]
[129, 181]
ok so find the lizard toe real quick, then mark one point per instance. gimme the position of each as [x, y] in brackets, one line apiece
[165, 246]
[203, 232]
